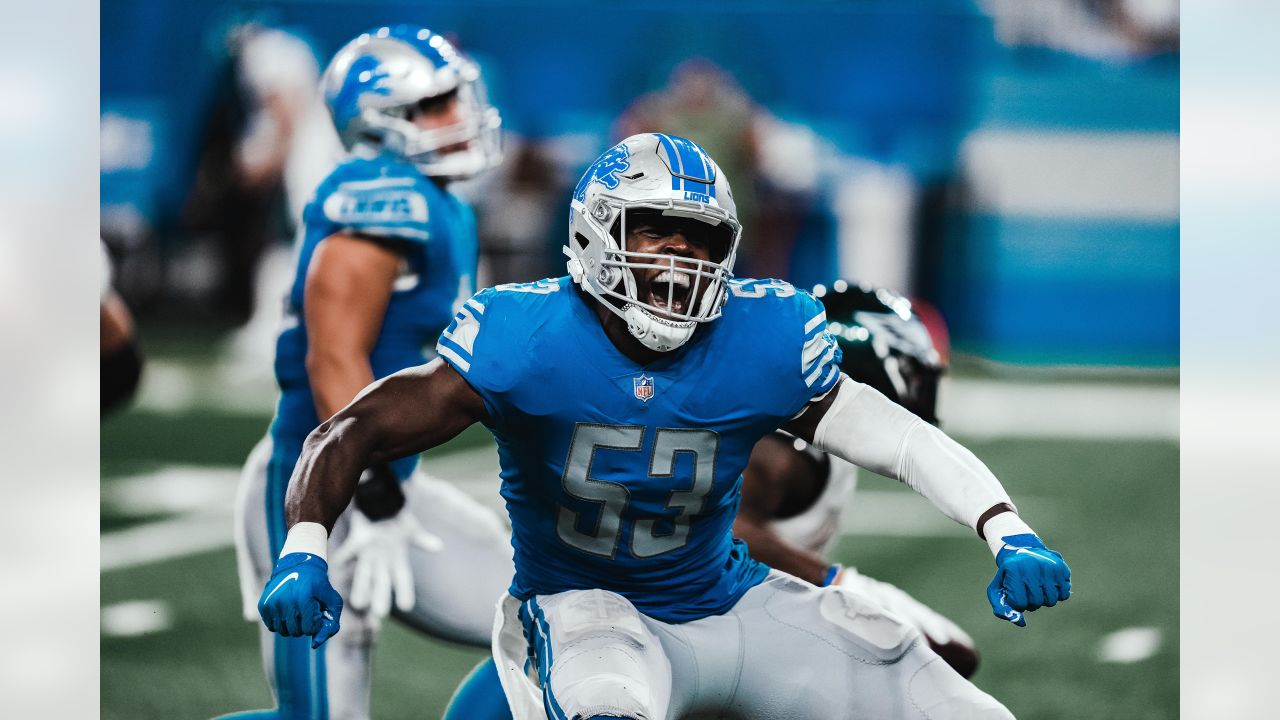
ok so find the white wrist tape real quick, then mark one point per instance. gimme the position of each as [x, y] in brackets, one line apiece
[306, 537]
[871, 431]
[1003, 525]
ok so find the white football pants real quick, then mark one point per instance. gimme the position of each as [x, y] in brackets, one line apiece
[786, 651]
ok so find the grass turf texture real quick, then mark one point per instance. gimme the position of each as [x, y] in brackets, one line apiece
[1109, 507]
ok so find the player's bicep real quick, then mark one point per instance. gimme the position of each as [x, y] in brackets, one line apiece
[414, 410]
[348, 286]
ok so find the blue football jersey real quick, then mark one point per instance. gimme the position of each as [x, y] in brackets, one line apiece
[627, 477]
[388, 199]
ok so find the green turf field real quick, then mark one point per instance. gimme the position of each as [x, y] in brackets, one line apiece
[1110, 507]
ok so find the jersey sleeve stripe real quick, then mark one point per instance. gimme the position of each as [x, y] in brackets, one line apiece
[477, 307]
[813, 374]
[409, 232]
[814, 322]
[459, 344]
[459, 341]
[448, 352]
[463, 331]
[813, 349]
[467, 315]
[376, 184]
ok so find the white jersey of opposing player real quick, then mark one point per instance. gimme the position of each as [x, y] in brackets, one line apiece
[817, 528]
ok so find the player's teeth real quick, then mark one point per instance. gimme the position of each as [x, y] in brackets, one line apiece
[670, 276]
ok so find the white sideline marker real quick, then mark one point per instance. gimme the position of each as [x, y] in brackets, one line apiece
[1130, 645]
[164, 540]
[136, 617]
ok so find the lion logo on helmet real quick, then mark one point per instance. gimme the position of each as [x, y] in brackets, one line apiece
[365, 75]
[605, 171]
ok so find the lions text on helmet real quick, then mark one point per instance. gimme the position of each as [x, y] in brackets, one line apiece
[408, 91]
[653, 235]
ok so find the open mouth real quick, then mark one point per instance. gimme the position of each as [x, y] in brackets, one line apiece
[669, 291]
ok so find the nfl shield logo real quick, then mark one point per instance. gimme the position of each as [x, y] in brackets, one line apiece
[643, 386]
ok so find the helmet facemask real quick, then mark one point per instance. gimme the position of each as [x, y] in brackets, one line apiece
[458, 150]
[624, 280]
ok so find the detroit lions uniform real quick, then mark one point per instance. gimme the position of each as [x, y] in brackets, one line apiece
[384, 199]
[630, 597]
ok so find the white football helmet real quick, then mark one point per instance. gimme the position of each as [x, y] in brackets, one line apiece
[676, 177]
[374, 83]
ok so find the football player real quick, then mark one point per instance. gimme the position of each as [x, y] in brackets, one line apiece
[626, 399]
[387, 257]
[793, 496]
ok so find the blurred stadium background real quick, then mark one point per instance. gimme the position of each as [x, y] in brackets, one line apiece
[1012, 165]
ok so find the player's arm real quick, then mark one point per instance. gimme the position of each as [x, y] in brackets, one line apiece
[776, 480]
[402, 414]
[855, 422]
[348, 287]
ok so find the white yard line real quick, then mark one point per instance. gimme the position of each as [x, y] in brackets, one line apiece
[136, 617]
[173, 489]
[201, 497]
[1129, 645]
[166, 539]
[992, 409]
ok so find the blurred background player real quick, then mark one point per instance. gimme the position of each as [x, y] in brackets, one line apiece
[703, 100]
[264, 148]
[387, 255]
[121, 362]
[794, 497]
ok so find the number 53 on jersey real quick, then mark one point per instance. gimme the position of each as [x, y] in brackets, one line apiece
[651, 535]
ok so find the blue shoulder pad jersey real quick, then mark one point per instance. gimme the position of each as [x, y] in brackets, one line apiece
[388, 199]
[627, 477]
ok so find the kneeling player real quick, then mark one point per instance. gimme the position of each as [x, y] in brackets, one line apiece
[626, 400]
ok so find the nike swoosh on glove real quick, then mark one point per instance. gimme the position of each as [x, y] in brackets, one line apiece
[1028, 576]
[298, 599]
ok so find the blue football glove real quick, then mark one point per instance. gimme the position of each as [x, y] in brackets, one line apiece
[298, 599]
[1028, 576]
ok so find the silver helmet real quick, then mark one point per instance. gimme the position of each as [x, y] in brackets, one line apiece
[374, 83]
[666, 174]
